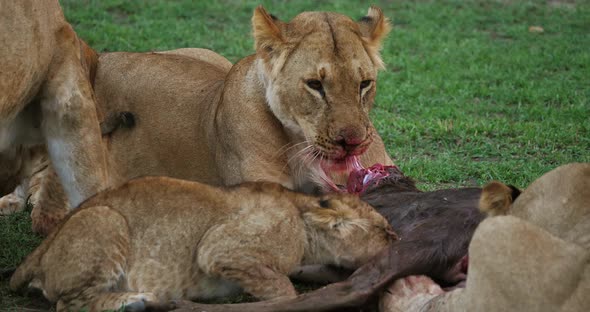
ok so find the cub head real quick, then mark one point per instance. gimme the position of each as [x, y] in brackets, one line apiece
[342, 230]
[320, 71]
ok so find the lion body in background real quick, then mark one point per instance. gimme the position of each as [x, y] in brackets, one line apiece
[46, 99]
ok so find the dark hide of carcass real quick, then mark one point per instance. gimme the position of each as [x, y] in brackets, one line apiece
[440, 222]
[434, 228]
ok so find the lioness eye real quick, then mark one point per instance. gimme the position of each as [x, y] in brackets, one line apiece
[315, 84]
[365, 84]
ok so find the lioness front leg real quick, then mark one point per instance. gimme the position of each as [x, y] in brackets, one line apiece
[47, 197]
[70, 123]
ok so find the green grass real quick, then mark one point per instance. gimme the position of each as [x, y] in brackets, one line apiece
[16, 241]
[469, 94]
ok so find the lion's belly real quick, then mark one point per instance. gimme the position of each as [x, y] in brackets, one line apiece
[172, 115]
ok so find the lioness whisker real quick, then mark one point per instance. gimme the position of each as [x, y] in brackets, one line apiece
[297, 168]
[306, 159]
[300, 153]
[289, 146]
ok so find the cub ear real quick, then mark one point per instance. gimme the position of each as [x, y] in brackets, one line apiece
[330, 219]
[496, 198]
[267, 31]
[374, 28]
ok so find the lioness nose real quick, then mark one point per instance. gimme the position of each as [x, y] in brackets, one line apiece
[350, 138]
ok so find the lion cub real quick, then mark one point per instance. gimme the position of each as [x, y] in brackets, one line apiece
[158, 239]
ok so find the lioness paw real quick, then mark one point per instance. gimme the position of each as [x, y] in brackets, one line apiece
[409, 294]
[10, 204]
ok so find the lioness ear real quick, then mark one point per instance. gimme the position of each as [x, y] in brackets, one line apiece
[267, 31]
[496, 198]
[89, 59]
[374, 28]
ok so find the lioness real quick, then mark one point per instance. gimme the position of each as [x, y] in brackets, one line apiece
[46, 97]
[157, 239]
[296, 108]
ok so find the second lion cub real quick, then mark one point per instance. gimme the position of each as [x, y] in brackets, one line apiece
[159, 239]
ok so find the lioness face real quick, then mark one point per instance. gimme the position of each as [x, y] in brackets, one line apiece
[320, 74]
[350, 232]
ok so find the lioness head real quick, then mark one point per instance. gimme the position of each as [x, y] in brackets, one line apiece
[319, 71]
[345, 231]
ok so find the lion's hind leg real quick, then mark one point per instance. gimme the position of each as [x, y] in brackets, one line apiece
[86, 262]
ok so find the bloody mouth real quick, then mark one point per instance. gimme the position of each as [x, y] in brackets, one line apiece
[359, 177]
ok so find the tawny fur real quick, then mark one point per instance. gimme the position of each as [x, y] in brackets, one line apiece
[159, 239]
[46, 97]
